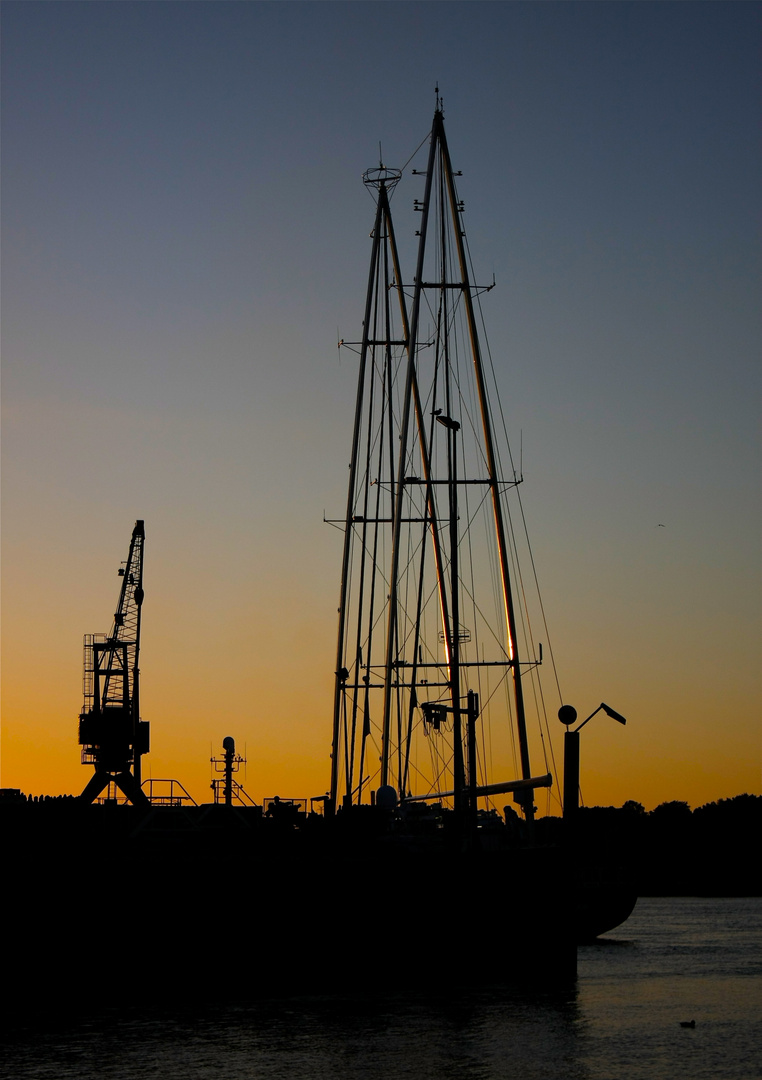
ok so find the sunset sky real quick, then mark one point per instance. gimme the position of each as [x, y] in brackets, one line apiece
[184, 240]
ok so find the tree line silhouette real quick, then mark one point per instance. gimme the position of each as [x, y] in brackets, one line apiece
[668, 851]
[673, 851]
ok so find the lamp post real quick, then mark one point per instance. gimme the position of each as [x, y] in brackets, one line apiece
[567, 714]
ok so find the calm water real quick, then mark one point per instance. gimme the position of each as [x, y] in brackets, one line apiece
[673, 960]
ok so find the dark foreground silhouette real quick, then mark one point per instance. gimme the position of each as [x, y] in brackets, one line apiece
[103, 901]
[673, 851]
[113, 900]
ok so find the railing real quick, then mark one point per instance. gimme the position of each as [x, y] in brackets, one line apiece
[238, 792]
[176, 795]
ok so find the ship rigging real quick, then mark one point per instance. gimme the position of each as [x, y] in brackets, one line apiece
[430, 647]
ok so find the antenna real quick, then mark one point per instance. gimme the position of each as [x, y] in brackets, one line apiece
[228, 791]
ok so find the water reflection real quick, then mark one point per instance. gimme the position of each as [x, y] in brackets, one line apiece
[487, 1035]
[681, 959]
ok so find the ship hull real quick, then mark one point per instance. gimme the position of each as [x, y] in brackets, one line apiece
[111, 905]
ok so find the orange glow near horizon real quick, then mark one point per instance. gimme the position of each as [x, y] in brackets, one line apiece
[284, 731]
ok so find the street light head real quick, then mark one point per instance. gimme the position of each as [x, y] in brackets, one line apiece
[613, 713]
[609, 712]
[567, 714]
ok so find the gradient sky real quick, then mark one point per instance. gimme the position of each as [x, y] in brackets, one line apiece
[184, 238]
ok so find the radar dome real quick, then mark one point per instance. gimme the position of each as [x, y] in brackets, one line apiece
[386, 797]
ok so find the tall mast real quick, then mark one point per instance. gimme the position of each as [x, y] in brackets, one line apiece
[384, 261]
[513, 650]
[341, 673]
[392, 626]
[439, 143]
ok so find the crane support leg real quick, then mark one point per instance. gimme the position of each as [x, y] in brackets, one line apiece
[125, 781]
[95, 785]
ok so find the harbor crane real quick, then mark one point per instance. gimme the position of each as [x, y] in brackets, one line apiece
[112, 735]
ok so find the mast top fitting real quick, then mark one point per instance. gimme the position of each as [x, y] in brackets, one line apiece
[382, 177]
